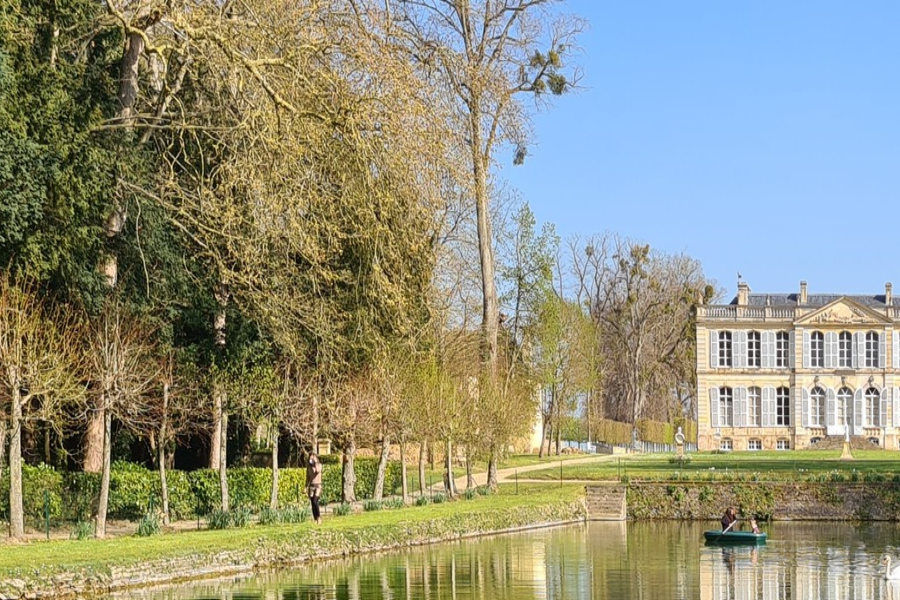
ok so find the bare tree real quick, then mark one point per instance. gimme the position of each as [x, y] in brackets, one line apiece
[40, 368]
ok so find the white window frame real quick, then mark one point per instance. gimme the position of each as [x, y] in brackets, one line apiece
[783, 406]
[845, 350]
[726, 349]
[840, 414]
[872, 341]
[754, 444]
[873, 407]
[726, 445]
[726, 407]
[754, 407]
[817, 350]
[782, 349]
[817, 407]
[782, 444]
[754, 349]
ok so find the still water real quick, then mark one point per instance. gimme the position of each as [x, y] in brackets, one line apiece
[615, 561]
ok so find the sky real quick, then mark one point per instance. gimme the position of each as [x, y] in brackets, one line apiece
[760, 137]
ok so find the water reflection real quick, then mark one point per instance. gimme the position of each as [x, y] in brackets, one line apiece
[597, 561]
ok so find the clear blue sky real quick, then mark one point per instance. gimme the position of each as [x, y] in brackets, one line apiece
[758, 136]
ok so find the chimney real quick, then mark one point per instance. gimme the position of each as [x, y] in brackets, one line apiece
[888, 293]
[803, 298]
[743, 293]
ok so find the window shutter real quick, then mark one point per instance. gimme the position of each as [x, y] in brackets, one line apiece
[859, 350]
[739, 349]
[830, 405]
[885, 400]
[714, 407]
[804, 408]
[859, 410]
[768, 349]
[882, 350]
[791, 351]
[831, 348]
[768, 395]
[895, 349]
[895, 401]
[713, 349]
[805, 349]
[740, 407]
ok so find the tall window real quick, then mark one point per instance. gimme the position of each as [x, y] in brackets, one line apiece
[844, 406]
[783, 407]
[725, 349]
[871, 349]
[754, 406]
[873, 408]
[754, 349]
[782, 341]
[726, 407]
[817, 407]
[817, 349]
[845, 349]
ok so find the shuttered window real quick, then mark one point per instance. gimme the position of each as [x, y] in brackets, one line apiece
[726, 407]
[754, 349]
[783, 407]
[817, 350]
[872, 350]
[843, 407]
[726, 358]
[873, 408]
[754, 407]
[782, 345]
[817, 407]
[845, 350]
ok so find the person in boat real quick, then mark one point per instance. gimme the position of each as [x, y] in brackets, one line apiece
[753, 526]
[728, 519]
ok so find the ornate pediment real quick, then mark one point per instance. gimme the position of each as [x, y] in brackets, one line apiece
[844, 312]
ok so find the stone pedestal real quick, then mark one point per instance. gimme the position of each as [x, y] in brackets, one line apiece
[846, 454]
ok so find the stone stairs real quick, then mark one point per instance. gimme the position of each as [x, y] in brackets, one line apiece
[605, 502]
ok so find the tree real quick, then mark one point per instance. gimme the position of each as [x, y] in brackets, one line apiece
[40, 368]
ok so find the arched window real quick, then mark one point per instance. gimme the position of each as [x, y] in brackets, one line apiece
[754, 407]
[817, 349]
[726, 407]
[872, 350]
[873, 408]
[845, 349]
[844, 406]
[817, 407]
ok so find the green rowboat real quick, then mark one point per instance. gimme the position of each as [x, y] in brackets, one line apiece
[734, 537]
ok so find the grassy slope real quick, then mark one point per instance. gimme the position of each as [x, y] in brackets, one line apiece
[799, 465]
[56, 556]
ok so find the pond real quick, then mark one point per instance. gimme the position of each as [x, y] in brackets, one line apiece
[599, 560]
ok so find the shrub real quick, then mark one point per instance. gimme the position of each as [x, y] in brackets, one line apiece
[148, 526]
[439, 498]
[393, 503]
[484, 490]
[268, 516]
[342, 510]
[82, 530]
[371, 505]
[219, 519]
[240, 516]
[422, 500]
[470, 493]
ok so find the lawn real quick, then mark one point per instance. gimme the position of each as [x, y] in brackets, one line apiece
[800, 465]
[60, 555]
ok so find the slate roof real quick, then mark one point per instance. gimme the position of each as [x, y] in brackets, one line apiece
[815, 300]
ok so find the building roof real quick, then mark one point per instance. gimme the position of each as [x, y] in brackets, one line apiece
[814, 300]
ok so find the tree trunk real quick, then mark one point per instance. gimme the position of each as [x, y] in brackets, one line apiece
[48, 444]
[348, 475]
[492, 469]
[543, 436]
[3, 427]
[273, 496]
[93, 442]
[215, 439]
[161, 447]
[490, 317]
[223, 452]
[470, 476]
[103, 503]
[422, 455]
[378, 494]
[449, 484]
[16, 510]
[403, 481]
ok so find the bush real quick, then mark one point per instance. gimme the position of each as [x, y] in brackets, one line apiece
[82, 530]
[342, 510]
[422, 500]
[470, 493]
[240, 516]
[371, 505]
[148, 526]
[484, 490]
[219, 519]
[439, 498]
[393, 503]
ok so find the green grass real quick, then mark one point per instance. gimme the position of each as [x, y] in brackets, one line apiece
[796, 465]
[61, 555]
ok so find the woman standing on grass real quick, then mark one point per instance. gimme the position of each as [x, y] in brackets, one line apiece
[314, 485]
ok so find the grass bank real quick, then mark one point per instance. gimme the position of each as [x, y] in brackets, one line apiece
[798, 465]
[73, 568]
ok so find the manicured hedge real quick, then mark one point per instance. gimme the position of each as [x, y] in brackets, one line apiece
[134, 489]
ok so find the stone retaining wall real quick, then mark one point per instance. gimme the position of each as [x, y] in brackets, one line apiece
[806, 501]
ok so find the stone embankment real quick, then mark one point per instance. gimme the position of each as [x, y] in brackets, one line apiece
[290, 545]
[806, 501]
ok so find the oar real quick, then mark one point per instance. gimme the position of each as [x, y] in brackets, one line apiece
[724, 531]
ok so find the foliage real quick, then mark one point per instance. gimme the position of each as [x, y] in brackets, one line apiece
[343, 509]
[422, 500]
[148, 525]
[83, 530]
